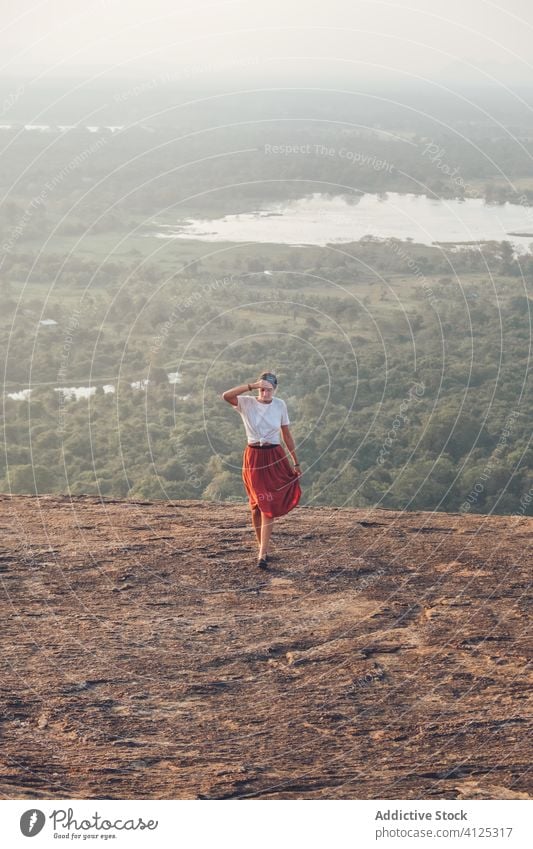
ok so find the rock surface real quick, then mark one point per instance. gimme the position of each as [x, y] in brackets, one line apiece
[383, 655]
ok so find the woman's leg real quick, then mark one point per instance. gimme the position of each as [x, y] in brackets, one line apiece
[267, 524]
[256, 521]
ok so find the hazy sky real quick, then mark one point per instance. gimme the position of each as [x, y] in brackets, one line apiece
[432, 39]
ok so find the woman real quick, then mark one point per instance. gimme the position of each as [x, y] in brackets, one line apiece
[272, 485]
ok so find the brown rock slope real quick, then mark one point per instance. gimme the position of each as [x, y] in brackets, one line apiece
[143, 655]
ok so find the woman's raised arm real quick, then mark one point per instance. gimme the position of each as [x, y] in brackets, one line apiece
[231, 394]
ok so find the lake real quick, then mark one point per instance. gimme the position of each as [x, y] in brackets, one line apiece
[320, 219]
[77, 393]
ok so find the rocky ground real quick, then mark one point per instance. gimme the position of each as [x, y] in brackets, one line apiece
[384, 655]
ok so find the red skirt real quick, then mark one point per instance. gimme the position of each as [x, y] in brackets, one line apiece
[270, 481]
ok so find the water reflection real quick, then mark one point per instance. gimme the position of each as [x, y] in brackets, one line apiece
[321, 219]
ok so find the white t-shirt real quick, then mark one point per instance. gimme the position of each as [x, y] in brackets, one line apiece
[262, 422]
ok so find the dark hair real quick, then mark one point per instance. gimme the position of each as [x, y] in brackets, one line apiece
[268, 375]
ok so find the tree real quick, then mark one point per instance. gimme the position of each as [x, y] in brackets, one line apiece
[30, 479]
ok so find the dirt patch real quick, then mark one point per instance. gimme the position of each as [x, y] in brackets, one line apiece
[145, 656]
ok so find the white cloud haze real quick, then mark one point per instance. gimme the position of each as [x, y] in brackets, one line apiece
[282, 39]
